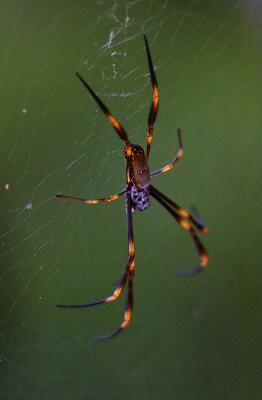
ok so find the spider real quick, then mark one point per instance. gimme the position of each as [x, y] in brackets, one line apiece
[137, 193]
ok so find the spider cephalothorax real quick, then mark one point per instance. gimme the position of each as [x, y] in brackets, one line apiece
[137, 168]
[138, 191]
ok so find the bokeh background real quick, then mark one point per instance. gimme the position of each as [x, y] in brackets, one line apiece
[196, 338]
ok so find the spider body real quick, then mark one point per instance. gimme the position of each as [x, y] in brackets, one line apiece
[138, 172]
[137, 192]
[140, 198]
[139, 175]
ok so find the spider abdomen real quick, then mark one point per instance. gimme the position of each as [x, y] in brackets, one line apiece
[140, 198]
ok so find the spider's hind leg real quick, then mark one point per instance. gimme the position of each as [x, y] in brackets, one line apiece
[172, 208]
[155, 101]
[127, 277]
[198, 218]
[118, 290]
[130, 272]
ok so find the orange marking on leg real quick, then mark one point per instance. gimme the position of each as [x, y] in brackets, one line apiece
[106, 199]
[180, 153]
[166, 168]
[95, 201]
[110, 298]
[118, 291]
[155, 97]
[131, 248]
[115, 295]
[127, 318]
[128, 151]
[149, 139]
[132, 266]
[186, 225]
[113, 197]
[204, 260]
[114, 121]
[183, 212]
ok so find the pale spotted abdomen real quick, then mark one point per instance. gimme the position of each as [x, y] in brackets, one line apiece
[140, 198]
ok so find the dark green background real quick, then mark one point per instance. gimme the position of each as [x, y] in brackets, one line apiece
[189, 339]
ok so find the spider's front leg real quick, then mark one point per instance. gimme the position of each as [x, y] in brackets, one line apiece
[155, 101]
[177, 157]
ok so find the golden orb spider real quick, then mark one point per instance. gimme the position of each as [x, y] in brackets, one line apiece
[137, 192]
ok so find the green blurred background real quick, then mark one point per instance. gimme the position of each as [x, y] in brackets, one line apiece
[196, 338]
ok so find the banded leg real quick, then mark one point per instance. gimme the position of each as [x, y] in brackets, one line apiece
[154, 105]
[184, 213]
[128, 275]
[116, 124]
[177, 157]
[108, 199]
[118, 290]
[185, 225]
[130, 270]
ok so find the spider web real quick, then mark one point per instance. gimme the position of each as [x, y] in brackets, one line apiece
[55, 140]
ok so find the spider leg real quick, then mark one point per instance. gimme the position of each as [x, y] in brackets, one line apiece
[198, 217]
[154, 105]
[183, 212]
[127, 314]
[128, 275]
[118, 290]
[116, 124]
[177, 157]
[107, 199]
[185, 225]
[130, 271]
